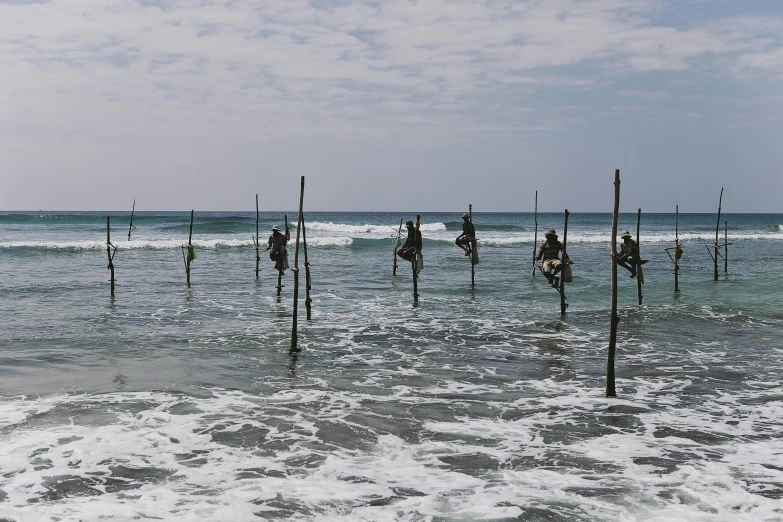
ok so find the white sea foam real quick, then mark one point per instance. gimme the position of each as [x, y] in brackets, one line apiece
[234, 455]
[342, 228]
[366, 229]
[330, 234]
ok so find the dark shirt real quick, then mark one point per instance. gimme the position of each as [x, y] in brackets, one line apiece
[468, 229]
[550, 250]
[630, 249]
[413, 240]
[276, 241]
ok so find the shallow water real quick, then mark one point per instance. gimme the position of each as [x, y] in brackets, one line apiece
[183, 403]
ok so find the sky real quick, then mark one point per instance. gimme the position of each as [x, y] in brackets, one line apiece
[391, 105]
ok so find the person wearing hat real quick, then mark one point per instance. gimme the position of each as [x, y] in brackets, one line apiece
[629, 254]
[550, 251]
[412, 243]
[465, 239]
[277, 242]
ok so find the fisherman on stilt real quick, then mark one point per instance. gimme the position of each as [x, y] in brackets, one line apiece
[277, 242]
[629, 254]
[465, 240]
[550, 251]
[412, 243]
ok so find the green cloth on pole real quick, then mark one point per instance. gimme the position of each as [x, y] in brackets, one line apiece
[191, 253]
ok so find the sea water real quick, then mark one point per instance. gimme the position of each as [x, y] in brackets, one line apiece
[177, 402]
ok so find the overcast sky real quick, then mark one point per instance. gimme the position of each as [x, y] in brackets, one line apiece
[391, 105]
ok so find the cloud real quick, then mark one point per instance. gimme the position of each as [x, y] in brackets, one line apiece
[295, 66]
[238, 79]
[650, 95]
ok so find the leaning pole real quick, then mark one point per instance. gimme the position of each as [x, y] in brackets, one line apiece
[717, 231]
[294, 347]
[610, 387]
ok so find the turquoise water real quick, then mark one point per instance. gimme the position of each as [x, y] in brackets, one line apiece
[184, 403]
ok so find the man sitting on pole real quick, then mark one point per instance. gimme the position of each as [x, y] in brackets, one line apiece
[277, 242]
[550, 250]
[412, 243]
[629, 254]
[465, 239]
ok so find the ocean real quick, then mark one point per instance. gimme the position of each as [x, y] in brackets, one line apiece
[177, 402]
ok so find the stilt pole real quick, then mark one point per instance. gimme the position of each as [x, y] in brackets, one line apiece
[413, 264]
[563, 302]
[190, 246]
[472, 266]
[535, 237]
[131, 227]
[614, 319]
[717, 230]
[639, 276]
[676, 248]
[307, 270]
[110, 251]
[294, 347]
[394, 255]
[257, 240]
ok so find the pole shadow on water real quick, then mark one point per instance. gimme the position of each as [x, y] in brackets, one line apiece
[293, 359]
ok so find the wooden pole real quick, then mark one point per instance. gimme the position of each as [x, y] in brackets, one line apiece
[280, 263]
[415, 254]
[639, 276]
[717, 229]
[190, 246]
[676, 247]
[257, 240]
[109, 252]
[726, 246]
[307, 270]
[394, 255]
[131, 227]
[294, 347]
[535, 237]
[472, 266]
[563, 302]
[614, 319]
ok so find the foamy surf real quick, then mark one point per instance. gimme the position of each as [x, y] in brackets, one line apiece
[236, 456]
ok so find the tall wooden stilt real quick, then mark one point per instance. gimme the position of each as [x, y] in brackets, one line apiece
[396, 245]
[614, 319]
[110, 251]
[677, 248]
[472, 266]
[294, 347]
[639, 274]
[191, 255]
[717, 230]
[415, 259]
[535, 237]
[563, 301]
[131, 228]
[308, 301]
[257, 240]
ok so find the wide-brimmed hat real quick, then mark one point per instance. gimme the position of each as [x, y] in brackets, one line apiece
[625, 234]
[274, 229]
[466, 216]
[551, 232]
[409, 224]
